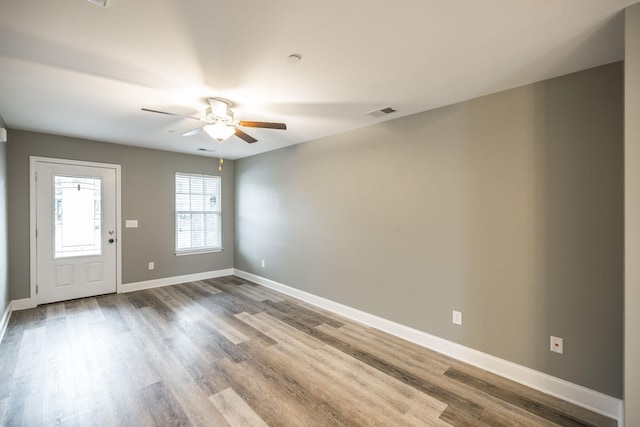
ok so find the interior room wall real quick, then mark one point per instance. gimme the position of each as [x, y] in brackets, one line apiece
[632, 215]
[4, 239]
[508, 208]
[148, 195]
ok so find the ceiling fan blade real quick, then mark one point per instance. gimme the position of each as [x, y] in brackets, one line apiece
[247, 138]
[170, 114]
[263, 125]
[192, 132]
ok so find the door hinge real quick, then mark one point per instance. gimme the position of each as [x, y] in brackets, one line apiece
[36, 176]
[36, 289]
[36, 233]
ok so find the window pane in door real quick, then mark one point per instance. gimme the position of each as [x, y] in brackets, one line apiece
[77, 216]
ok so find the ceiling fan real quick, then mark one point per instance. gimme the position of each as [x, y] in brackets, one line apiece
[220, 122]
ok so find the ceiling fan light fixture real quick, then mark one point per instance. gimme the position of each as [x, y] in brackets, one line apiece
[219, 107]
[219, 131]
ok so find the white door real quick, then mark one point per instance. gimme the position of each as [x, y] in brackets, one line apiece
[75, 231]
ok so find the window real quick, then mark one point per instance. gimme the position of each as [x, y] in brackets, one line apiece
[77, 216]
[198, 213]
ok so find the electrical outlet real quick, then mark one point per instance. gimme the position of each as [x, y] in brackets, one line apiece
[152, 265]
[263, 263]
[556, 345]
[457, 317]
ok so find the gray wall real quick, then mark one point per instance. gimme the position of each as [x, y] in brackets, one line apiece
[148, 183]
[507, 207]
[4, 257]
[632, 213]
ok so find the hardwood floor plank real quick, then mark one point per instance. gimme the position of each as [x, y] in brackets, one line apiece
[55, 310]
[201, 371]
[398, 344]
[8, 362]
[252, 333]
[320, 411]
[122, 388]
[232, 301]
[192, 399]
[235, 410]
[299, 315]
[21, 387]
[450, 398]
[141, 368]
[59, 406]
[268, 399]
[507, 419]
[206, 287]
[341, 368]
[86, 355]
[554, 404]
[26, 319]
[138, 299]
[515, 399]
[257, 293]
[30, 352]
[176, 300]
[418, 360]
[166, 409]
[410, 419]
[450, 393]
[163, 329]
[492, 409]
[278, 331]
[112, 316]
[214, 342]
[412, 361]
[304, 315]
[346, 396]
[4, 409]
[226, 351]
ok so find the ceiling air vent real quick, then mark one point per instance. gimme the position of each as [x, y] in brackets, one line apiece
[101, 3]
[382, 111]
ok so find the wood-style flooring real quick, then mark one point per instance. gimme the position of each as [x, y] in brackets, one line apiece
[228, 352]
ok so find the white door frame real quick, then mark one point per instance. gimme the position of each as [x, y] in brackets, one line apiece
[33, 260]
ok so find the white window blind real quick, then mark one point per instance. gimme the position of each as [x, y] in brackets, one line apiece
[198, 213]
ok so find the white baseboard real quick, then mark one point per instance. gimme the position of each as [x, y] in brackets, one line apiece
[15, 305]
[22, 304]
[579, 395]
[167, 281]
[5, 321]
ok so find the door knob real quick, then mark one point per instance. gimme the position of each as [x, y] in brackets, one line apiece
[111, 240]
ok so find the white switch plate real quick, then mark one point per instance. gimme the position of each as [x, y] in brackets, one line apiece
[457, 317]
[263, 264]
[152, 265]
[131, 223]
[556, 345]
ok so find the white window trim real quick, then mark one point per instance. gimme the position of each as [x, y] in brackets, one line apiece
[201, 250]
[197, 252]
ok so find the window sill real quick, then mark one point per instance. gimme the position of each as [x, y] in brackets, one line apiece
[198, 252]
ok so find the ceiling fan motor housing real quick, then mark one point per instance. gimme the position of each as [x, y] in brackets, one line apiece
[218, 111]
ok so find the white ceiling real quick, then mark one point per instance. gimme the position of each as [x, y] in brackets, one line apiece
[69, 67]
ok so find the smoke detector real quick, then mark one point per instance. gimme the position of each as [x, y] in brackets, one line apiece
[382, 111]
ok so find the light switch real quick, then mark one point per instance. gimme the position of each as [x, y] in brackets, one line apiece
[131, 223]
